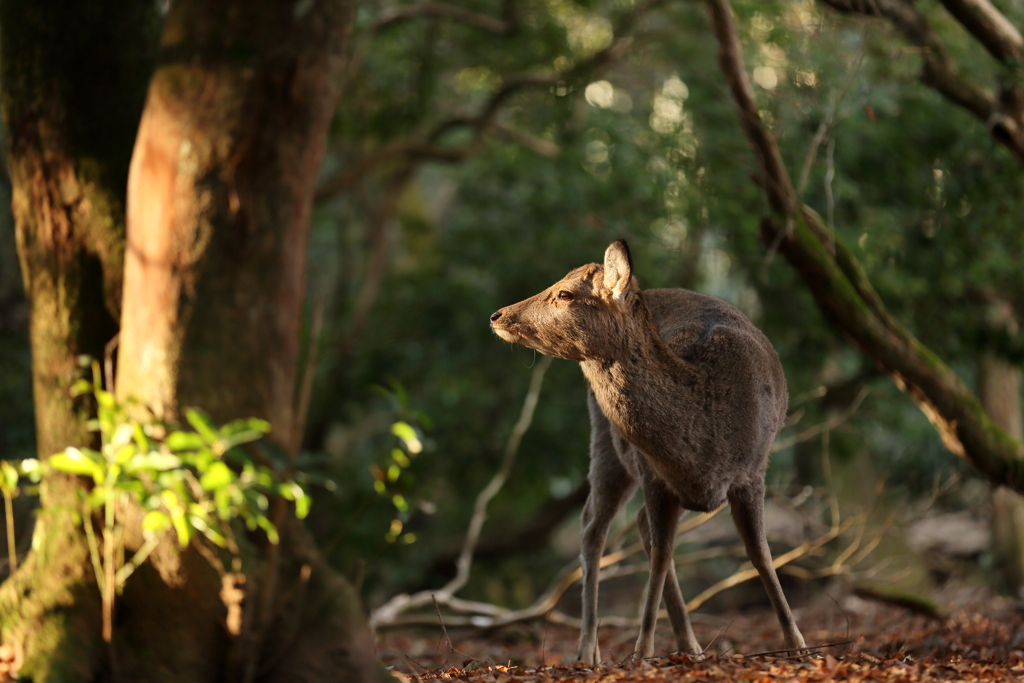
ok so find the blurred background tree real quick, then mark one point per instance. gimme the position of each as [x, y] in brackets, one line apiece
[482, 149]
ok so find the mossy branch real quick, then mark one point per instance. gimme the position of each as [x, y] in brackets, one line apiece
[844, 295]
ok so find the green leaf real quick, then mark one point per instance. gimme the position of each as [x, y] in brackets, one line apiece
[183, 530]
[81, 387]
[405, 432]
[292, 491]
[201, 422]
[155, 523]
[269, 528]
[123, 434]
[139, 435]
[125, 453]
[226, 443]
[9, 481]
[106, 399]
[177, 510]
[302, 505]
[222, 499]
[184, 441]
[210, 532]
[252, 424]
[86, 463]
[96, 498]
[216, 477]
[153, 461]
[399, 457]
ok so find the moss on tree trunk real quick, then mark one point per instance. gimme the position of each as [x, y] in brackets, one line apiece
[74, 78]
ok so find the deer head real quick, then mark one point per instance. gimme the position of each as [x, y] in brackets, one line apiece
[583, 316]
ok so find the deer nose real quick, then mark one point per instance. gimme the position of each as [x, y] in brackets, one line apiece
[495, 316]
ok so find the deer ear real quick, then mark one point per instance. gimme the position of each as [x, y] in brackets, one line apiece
[618, 268]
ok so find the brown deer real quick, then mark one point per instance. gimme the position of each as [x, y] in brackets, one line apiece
[685, 397]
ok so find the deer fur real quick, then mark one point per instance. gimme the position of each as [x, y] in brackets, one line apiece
[685, 398]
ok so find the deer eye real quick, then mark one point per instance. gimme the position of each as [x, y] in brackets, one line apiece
[565, 296]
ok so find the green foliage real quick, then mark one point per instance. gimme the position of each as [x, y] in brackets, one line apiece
[393, 479]
[196, 482]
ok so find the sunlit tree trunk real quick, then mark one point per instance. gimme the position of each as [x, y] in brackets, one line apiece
[999, 390]
[74, 80]
[219, 199]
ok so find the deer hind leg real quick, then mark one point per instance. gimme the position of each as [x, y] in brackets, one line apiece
[747, 506]
[611, 485]
[686, 641]
[662, 513]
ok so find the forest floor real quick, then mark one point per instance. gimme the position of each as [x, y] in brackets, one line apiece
[979, 638]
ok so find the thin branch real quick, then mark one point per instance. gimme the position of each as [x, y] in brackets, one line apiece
[441, 10]
[305, 389]
[486, 616]
[817, 429]
[501, 476]
[782, 560]
[387, 613]
[537, 145]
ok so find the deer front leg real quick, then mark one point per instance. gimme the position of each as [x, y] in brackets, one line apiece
[686, 641]
[747, 506]
[663, 517]
[610, 486]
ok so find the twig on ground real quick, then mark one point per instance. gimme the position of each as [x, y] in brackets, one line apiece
[800, 651]
[544, 640]
[487, 616]
[444, 630]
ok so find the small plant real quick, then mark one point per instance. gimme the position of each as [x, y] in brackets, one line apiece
[393, 479]
[192, 481]
[10, 476]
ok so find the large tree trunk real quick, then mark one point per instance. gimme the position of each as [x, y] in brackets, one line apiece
[999, 391]
[219, 198]
[74, 80]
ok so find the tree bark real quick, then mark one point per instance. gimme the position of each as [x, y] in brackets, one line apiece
[999, 389]
[219, 198]
[74, 78]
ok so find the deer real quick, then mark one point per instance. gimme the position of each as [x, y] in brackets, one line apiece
[685, 397]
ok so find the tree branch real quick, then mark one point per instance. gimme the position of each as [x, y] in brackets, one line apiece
[484, 121]
[1004, 116]
[986, 23]
[846, 298]
[441, 10]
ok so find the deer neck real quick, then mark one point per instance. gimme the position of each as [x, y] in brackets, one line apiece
[639, 380]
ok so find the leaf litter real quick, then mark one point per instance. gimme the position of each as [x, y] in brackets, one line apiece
[979, 643]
